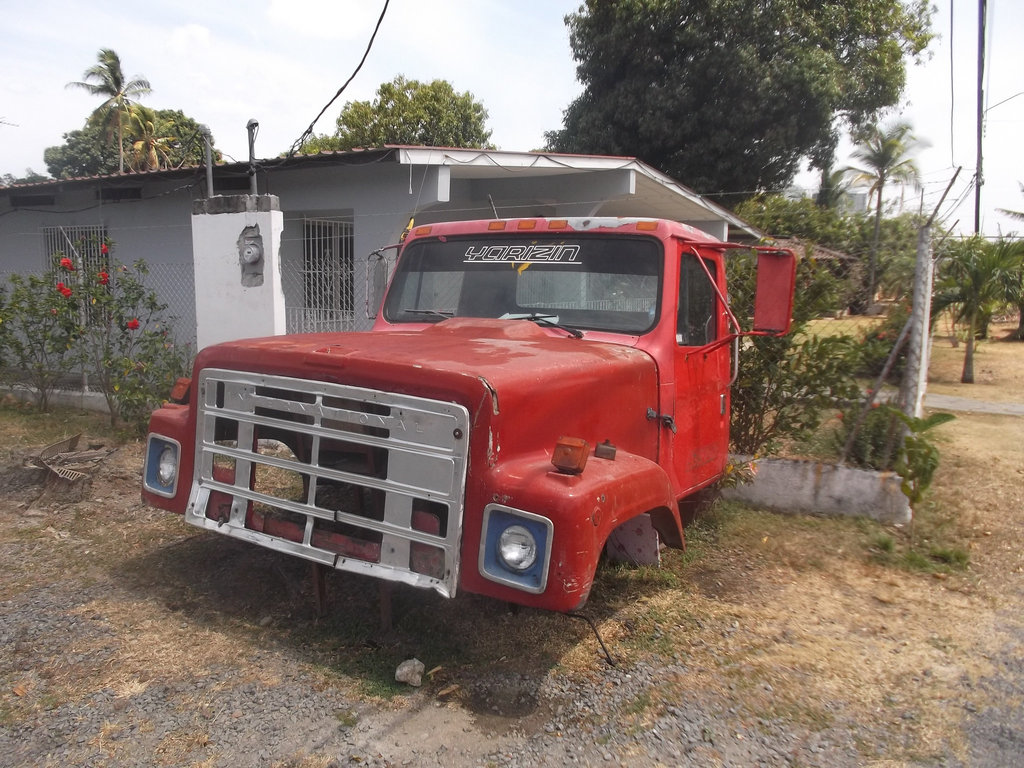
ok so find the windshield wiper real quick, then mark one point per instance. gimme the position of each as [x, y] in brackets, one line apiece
[445, 313]
[551, 321]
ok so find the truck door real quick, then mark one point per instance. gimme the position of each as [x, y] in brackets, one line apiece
[701, 439]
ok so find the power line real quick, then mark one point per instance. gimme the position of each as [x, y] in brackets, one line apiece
[309, 131]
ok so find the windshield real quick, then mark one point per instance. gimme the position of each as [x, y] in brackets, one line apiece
[596, 282]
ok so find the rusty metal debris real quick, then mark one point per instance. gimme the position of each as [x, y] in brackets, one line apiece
[64, 460]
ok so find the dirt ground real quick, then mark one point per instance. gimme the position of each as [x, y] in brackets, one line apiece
[906, 641]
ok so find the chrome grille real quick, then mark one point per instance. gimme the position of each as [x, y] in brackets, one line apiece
[357, 479]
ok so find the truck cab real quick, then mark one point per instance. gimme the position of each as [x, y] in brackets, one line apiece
[529, 388]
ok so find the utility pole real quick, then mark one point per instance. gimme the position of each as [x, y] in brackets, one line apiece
[979, 177]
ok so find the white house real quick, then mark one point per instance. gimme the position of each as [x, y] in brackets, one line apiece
[332, 209]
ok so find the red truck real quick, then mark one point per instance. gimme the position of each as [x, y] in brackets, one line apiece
[529, 386]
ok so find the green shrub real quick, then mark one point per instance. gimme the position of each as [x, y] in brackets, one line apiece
[876, 344]
[38, 336]
[787, 386]
[877, 442]
[100, 322]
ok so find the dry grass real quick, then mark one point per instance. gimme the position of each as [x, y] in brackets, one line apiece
[781, 617]
[998, 366]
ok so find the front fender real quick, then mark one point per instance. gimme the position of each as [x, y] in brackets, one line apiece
[583, 510]
[173, 422]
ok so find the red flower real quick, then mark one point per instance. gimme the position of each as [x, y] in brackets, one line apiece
[104, 249]
[133, 324]
[67, 264]
[104, 278]
[63, 290]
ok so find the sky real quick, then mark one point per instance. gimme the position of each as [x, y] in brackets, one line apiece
[280, 61]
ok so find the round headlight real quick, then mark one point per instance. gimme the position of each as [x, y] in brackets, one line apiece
[167, 466]
[517, 548]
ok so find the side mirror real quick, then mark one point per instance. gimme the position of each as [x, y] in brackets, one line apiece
[773, 302]
[377, 274]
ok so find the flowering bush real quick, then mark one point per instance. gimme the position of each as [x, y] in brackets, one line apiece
[38, 331]
[103, 322]
[125, 339]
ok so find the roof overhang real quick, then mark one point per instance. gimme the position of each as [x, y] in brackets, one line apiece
[647, 192]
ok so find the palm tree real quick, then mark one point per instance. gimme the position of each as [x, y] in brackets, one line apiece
[834, 188]
[884, 155]
[105, 78]
[1018, 215]
[150, 148]
[975, 281]
[1013, 278]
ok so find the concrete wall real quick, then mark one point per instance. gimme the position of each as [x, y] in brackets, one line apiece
[824, 489]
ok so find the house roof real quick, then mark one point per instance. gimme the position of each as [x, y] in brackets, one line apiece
[649, 192]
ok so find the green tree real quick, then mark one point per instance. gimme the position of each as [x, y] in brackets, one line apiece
[973, 284]
[730, 95]
[107, 79]
[1014, 283]
[834, 188]
[185, 142]
[851, 235]
[85, 152]
[408, 112]
[88, 153]
[30, 177]
[800, 218]
[884, 155]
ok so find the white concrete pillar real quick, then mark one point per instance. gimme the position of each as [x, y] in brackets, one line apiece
[236, 246]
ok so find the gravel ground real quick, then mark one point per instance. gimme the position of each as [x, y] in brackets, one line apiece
[225, 718]
[127, 639]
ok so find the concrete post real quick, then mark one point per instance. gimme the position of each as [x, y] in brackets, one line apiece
[915, 377]
[236, 244]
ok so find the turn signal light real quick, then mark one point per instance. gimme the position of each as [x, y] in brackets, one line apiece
[179, 392]
[570, 455]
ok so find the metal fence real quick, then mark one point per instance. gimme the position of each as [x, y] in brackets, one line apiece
[174, 284]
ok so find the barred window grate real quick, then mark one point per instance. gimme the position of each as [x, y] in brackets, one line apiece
[83, 244]
[328, 293]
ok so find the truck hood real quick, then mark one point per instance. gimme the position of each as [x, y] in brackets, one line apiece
[528, 384]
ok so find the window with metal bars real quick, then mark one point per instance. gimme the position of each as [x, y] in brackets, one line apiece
[327, 276]
[83, 244]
